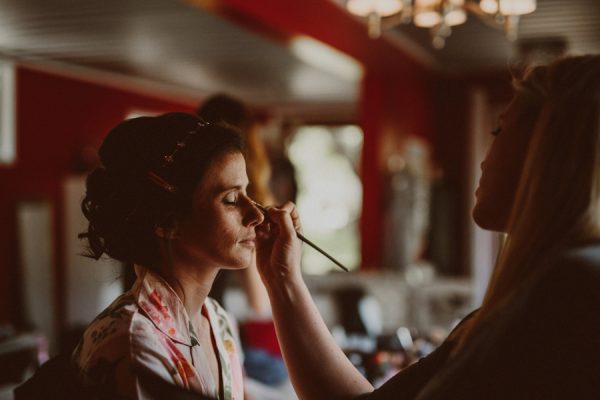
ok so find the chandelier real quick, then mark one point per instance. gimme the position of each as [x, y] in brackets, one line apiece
[439, 16]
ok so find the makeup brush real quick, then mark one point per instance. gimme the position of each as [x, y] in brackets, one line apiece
[263, 209]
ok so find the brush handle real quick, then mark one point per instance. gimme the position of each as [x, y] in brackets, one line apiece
[317, 248]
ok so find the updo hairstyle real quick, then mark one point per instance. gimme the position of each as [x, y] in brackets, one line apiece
[150, 167]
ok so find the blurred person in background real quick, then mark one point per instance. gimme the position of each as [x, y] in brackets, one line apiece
[537, 333]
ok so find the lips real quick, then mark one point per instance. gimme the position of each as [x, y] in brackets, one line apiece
[251, 241]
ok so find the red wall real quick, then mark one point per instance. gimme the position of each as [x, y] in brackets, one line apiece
[397, 106]
[56, 117]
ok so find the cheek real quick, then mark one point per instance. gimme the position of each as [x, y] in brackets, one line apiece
[221, 228]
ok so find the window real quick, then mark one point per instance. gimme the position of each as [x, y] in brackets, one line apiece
[8, 145]
[329, 193]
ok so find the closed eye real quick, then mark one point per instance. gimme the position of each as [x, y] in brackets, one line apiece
[231, 199]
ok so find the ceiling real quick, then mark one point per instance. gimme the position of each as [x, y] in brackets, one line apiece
[185, 49]
[164, 42]
[476, 46]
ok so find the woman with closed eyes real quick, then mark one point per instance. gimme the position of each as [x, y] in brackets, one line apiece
[170, 199]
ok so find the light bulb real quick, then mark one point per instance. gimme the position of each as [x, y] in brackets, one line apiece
[427, 13]
[427, 3]
[427, 19]
[388, 7]
[383, 8]
[489, 6]
[455, 17]
[517, 7]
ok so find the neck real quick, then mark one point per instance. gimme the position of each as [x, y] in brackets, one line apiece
[191, 281]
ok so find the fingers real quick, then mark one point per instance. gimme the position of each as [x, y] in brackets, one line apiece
[286, 218]
[293, 211]
[263, 231]
[278, 249]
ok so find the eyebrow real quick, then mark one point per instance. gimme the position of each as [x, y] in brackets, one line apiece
[222, 188]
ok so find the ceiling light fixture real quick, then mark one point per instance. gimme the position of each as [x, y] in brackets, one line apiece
[440, 15]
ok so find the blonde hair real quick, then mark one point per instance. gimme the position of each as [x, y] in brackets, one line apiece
[224, 108]
[557, 203]
[258, 166]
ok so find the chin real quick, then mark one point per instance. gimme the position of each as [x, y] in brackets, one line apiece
[488, 220]
[241, 262]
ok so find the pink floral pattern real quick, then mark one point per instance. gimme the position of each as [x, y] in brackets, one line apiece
[148, 328]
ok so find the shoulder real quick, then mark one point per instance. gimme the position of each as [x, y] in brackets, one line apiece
[109, 326]
[573, 278]
[115, 336]
[584, 260]
[120, 343]
[565, 294]
[104, 345]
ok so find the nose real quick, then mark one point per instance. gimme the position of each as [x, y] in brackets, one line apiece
[253, 215]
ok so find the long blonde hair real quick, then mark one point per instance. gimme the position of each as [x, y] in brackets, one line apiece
[557, 203]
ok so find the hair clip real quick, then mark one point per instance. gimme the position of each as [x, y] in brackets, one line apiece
[170, 158]
[157, 180]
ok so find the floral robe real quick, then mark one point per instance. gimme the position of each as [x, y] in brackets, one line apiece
[147, 329]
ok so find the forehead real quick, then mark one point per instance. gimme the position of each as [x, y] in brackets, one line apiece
[228, 170]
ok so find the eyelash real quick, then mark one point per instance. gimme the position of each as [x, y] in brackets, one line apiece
[230, 202]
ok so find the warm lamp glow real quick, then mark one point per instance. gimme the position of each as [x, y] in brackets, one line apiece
[427, 13]
[427, 19]
[427, 3]
[517, 7]
[383, 8]
[455, 17]
[489, 6]
[456, 14]
[441, 15]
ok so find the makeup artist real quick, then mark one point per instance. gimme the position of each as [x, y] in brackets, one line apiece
[537, 333]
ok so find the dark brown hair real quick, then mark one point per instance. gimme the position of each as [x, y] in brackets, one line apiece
[150, 167]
